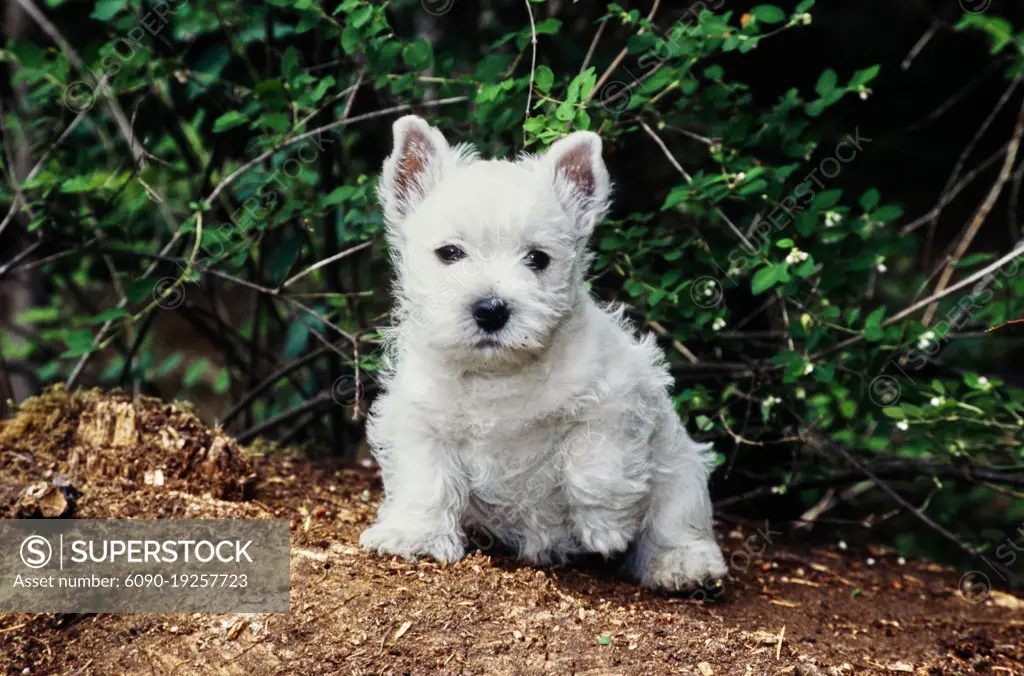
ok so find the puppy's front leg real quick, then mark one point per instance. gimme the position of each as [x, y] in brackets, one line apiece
[605, 487]
[424, 499]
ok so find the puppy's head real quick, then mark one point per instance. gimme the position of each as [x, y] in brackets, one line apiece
[490, 254]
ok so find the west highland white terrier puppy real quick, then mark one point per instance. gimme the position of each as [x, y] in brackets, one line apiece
[514, 404]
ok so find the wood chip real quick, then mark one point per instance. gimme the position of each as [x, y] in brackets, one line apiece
[785, 604]
[1006, 600]
[401, 630]
[236, 629]
[778, 648]
[706, 669]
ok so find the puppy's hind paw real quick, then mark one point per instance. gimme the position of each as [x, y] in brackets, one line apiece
[410, 545]
[696, 565]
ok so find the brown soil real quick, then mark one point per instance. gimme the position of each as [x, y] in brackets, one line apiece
[790, 609]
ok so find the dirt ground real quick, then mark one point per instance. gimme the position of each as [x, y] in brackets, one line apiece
[789, 609]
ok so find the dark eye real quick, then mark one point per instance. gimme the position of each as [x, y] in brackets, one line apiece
[537, 260]
[450, 253]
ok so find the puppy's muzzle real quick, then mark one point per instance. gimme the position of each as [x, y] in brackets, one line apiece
[491, 314]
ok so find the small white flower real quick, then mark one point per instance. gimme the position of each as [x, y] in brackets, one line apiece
[937, 401]
[808, 369]
[771, 400]
[739, 177]
[833, 218]
[806, 18]
[901, 561]
[870, 561]
[796, 256]
[881, 268]
[718, 324]
[983, 381]
[903, 425]
[925, 340]
[842, 545]
[863, 94]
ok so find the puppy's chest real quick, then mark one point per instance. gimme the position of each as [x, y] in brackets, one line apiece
[503, 419]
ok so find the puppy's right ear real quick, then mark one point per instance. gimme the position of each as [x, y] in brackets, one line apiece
[413, 168]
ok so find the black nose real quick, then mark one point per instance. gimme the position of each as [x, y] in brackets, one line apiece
[490, 314]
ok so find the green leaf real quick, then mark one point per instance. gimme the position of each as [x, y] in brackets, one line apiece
[827, 199]
[888, 213]
[296, 338]
[869, 200]
[805, 269]
[894, 412]
[350, 39]
[827, 83]
[544, 78]
[548, 26]
[194, 372]
[229, 120]
[418, 55]
[105, 10]
[863, 77]
[222, 382]
[768, 14]
[140, 289]
[107, 315]
[764, 279]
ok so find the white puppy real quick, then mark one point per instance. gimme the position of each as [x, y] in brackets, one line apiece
[514, 404]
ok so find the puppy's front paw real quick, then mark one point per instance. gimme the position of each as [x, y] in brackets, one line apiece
[686, 567]
[604, 541]
[386, 539]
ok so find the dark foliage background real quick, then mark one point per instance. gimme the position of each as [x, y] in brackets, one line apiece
[188, 211]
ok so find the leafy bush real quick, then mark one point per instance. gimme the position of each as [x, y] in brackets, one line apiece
[217, 161]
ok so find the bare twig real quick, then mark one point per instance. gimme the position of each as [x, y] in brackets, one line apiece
[115, 108]
[327, 261]
[920, 44]
[981, 214]
[593, 44]
[689, 179]
[619, 57]
[1016, 252]
[533, 65]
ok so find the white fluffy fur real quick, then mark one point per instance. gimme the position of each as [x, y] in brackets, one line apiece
[559, 439]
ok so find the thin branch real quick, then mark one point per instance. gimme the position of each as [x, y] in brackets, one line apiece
[533, 66]
[917, 513]
[920, 44]
[948, 197]
[115, 108]
[268, 382]
[1016, 252]
[328, 261]
[233, 176]
[689, 179]
[619, 57]
[593, 44]
[982, 213]
[322, 399]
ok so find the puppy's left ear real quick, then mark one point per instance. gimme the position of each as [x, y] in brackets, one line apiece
[413, 168]
[580, 178]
